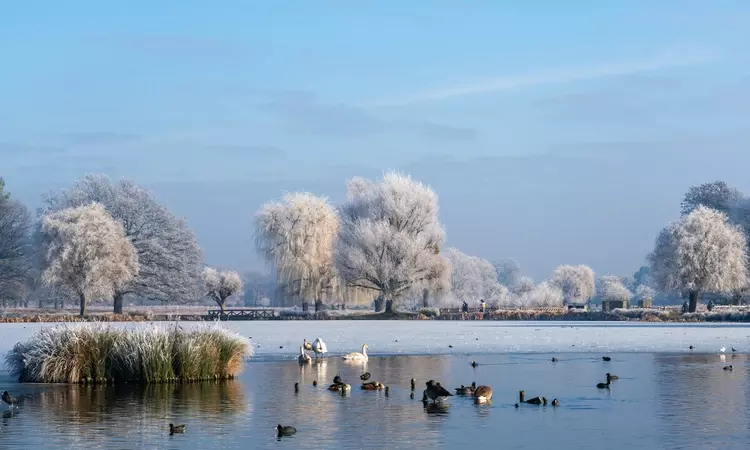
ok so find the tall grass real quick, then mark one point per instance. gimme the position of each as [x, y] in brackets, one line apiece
[99, 353]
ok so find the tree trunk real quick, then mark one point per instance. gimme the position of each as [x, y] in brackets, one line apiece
[379, 302]
[118, 303]
[82, 302]
[222, 305]
[318, 305]
[305, 306]
[389, 306]
[425, 298]
[693, 301]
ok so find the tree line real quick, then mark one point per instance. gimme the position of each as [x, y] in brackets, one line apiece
[383, 246]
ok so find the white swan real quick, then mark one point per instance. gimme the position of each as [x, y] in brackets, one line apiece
[319, 347]
[356, 356]
[303, 356]
[723, 349]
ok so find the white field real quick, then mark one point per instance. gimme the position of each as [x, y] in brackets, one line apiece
[466, 337]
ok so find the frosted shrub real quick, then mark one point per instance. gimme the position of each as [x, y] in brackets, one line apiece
[96, 353]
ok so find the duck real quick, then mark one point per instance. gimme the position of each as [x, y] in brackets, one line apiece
[337, 379]
[555, 402]
[435, 391]
[734, 349]
[606, 358]
[466, 390]
[723, 349]
[357, 356]
[174, 429]
[285, 431]
[387, 391]
[537, 401]
[729, 367]
[482, 394]
[336, 386]
[315, 382]
[554, 359]
[474, 364]
[345, 389]
[303, 357]
[365, 376]
[319, 347]
[372, 386]
[612, 377]
[9, 399]
[296, 387]
[413, 384]
[605, 385]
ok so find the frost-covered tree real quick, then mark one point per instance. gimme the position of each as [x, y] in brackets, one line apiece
[700, 252]
[644, 293]
[219, 286]
[474, 279]
[390, 237]
[524, 285]
[15, 251]
[576, 282]
[87, 252]
[543, 295]
[508, 271]
[613, 289]
[168, 252]
[716, 195]
[296, 236]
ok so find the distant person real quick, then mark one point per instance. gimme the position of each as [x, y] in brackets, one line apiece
[465, 307]
[482, 306]
[685, 307]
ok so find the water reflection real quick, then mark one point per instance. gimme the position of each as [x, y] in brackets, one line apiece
[673, 401]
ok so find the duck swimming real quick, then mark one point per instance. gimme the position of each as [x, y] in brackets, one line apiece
[466, 390]
[537, 401]
[606, 358]
[729, 367]
[435, 390]
[483, 394]
[173, 429]
[365, 376]
[372, 386]
[285, 431]
[605, 385]
[9, 399]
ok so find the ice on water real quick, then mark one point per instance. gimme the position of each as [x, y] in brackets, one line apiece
[466, 337]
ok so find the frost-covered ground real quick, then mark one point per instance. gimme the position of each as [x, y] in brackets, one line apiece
[466, 337]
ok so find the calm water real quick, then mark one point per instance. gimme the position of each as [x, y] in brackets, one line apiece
[660, 401]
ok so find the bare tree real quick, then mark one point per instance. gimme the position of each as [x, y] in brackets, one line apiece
[390, 237]
[87, 252]
[296, 237]
[168, 252]
[15, 249]
[576, 282]
[700, 252]
[219, 286]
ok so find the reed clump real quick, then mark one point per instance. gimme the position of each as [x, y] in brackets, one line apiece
[100, 353]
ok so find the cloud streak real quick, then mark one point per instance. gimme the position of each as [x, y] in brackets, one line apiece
[663, 61]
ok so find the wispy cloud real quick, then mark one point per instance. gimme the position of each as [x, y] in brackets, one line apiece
[662, 61]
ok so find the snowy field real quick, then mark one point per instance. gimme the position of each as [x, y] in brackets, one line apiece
[466, 337]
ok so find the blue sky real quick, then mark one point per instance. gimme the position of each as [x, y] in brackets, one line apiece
[554, 132]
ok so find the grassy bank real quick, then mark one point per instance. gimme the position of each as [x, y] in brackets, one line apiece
[100, 353]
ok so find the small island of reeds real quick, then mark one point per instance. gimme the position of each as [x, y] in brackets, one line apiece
[103, 353]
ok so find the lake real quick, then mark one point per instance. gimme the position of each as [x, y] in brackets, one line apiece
[665, 399]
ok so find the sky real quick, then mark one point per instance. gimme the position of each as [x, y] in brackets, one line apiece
[553, 132]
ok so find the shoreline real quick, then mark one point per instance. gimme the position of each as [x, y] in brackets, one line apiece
[630, 315]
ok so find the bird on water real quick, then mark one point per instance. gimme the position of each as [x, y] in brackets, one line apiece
[175, 429]
[9, 399]
[435, 391]
[365, 376]
[284, 431]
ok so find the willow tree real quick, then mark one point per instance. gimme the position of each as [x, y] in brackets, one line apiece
[390, 237]
[168, 253]
[700, 252]
[296, 237]
[87, 251]
[576, 282]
